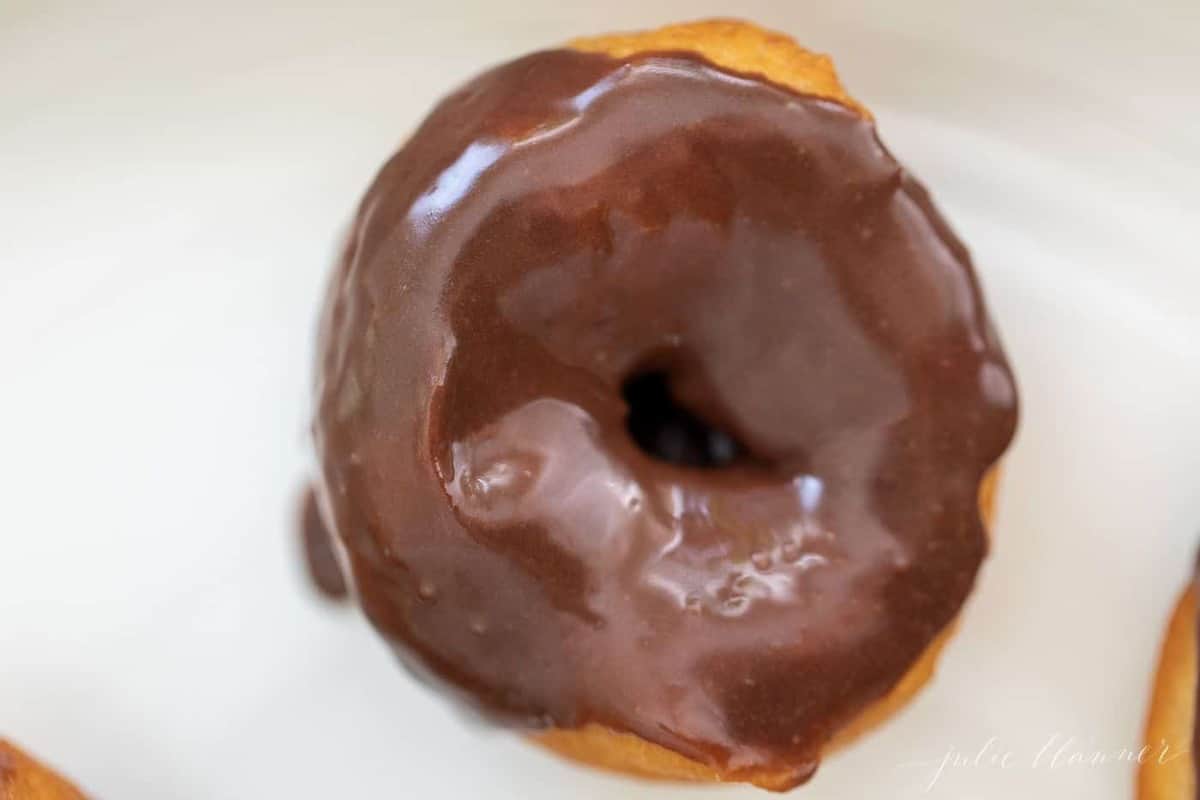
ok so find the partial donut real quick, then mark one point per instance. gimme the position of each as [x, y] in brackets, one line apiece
[1168, 771]
[655, 400]
[23, 778]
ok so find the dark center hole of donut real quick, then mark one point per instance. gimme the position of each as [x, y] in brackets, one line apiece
[668, 431]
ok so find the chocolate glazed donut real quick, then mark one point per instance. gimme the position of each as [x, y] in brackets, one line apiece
[655, 398]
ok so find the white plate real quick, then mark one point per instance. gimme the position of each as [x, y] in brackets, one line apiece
[173, 184]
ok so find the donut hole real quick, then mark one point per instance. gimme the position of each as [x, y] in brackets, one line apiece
[667, 431]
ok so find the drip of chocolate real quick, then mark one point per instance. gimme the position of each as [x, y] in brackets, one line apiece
[658, 397]
[319, 556]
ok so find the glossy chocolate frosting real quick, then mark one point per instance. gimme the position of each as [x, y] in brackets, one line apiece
[319, 550]
[658, 397]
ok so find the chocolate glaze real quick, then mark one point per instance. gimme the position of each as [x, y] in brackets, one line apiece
[568, 223]
[319, 555]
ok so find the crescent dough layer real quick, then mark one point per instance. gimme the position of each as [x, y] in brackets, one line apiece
[1172, 711]
[23, 778]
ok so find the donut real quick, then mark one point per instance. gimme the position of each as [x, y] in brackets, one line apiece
[23, 778]
[1170, 763]
[658, 409]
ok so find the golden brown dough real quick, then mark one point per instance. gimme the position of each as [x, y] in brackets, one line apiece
[1172, 710]
[23, 778]
[736, 45]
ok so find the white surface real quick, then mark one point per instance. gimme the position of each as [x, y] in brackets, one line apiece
[172, 183]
